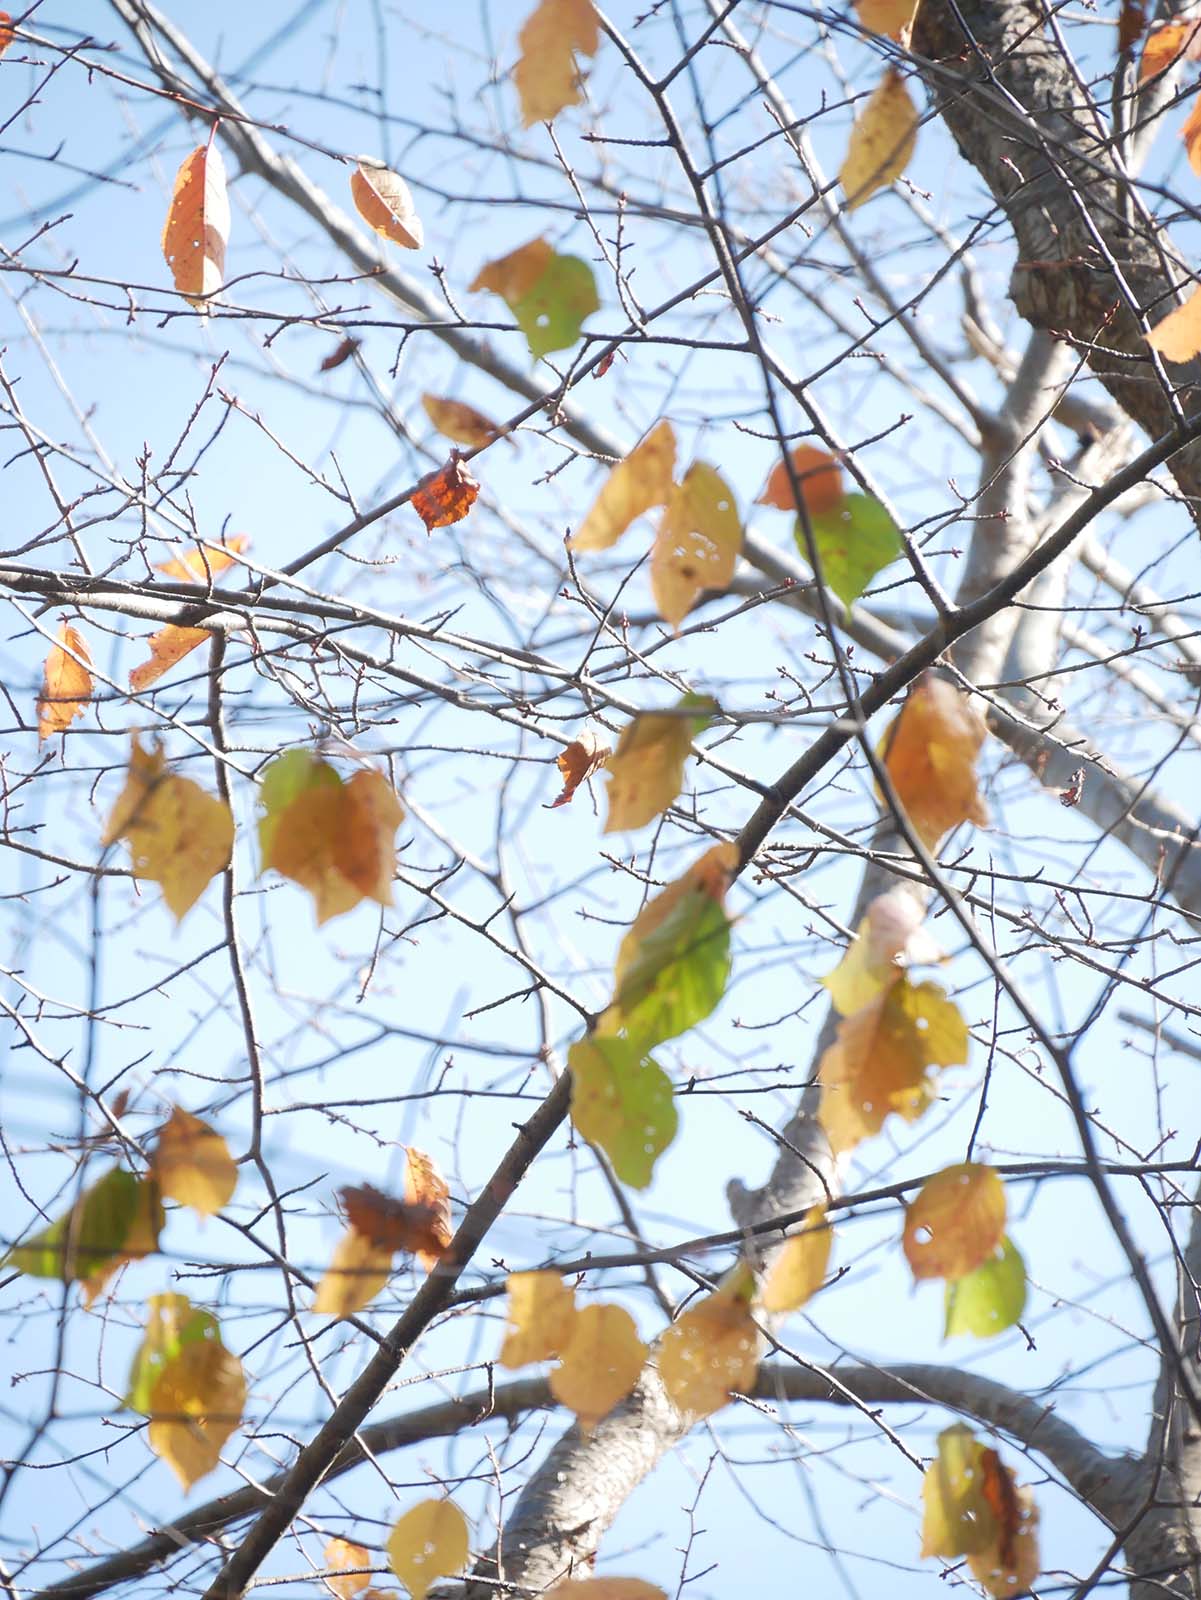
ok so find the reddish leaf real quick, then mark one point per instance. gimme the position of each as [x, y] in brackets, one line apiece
[197, 228]
[382, 199]
[6, 31]
[445, 496]
[581, 758]
[339, 354]
[819, 478]
[393, 1224]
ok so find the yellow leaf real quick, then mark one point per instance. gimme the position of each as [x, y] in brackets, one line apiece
[429, 1542]
[973, 1508]
[892, 18]
[179, 836]
[66, 683]
[646, 771]
[889, 939]
[197, 228]
[930, 754]
[600, 1365]
[382, 199]
[204, 561]
[344, 1562]
[879, 1060]
[882, 141]
[357, 1272]
[711, 1352]
[955, 1222]
[193, 1165]
[458, 421]
[819, 478]
[712, 875]
[697, 544]
[168, 646]
[581, 758]
[604, 1589]
[513, 276]
[541, 1316]
[636, 484]
[546, 76]
[195, 1404]
[1177, 336]
[800, 1267]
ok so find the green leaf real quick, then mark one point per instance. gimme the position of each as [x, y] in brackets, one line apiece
[990, 1299]
[285, 780]
[854, 541]
[621, 1100]
[80, 1242]
[552, 312]
[173, 1323]
[678, 972]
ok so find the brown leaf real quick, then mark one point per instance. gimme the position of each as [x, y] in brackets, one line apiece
[66, 683]
[881, 142]
[363, 849]
[445, 496]
[546, 75]
[819, 478]
[340, 353]
[930, 756]
[196, 232]
[457, 421]
[1177, 336]
[581, 758]
[1132, 20]
[383, 200]
[344, 1562]
[541, 1317]
[167, 648]
[7, 34]
[392, 1224]
[204, 561]
[193, 1165]
[427, 1190]
[955, 1222]
[634, 485]
[513, 276]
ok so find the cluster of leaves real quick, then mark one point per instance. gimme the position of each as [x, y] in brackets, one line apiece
[974, 1508]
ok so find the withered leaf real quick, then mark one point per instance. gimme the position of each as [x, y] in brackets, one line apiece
[383, 201]
[577, 762]
[445, 496]
[341, 353]
[196, 232]
[66, 682]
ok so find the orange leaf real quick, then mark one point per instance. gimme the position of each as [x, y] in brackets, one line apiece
[459, 422]
[604, 1589]
[541, 1317]
[819, 477]
[1166, 43]
[581, 758]
[6, 31]
[66, 683]
[513, 276]
[712, 1352]
[426, 1190]
[197, 228]
[392, 1224]
[1191, 134]
[1177, 336]
[204, 561]
[382, 199]
[892, 18]
[640, 481]
[445, 496]
[930, 755]
[955, 1222]
[340, 353]
[546, 75]
[167, 647]
[344, 1563]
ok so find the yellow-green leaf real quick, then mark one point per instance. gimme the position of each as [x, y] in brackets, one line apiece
[881, 142]
[115, 1220]
[990, 1299]
[697, 544]
[621, 1100]
[172, 1322]
[972, 1507]
[855, 539]
[429, 1542]
[549, 295]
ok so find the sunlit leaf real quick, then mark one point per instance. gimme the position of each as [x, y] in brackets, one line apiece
[541, 1316]
[421, 1227]
[172, 1322]
[204, 561]
[1177, 336]
[1191, 134]
[577, 762]
[102, 1229]
[196, 1403]
[973, 1508]
[600, 1365]
[7, 32]
[549, 295]
[66, 682]
[427, 1195]
[429, 1542]
[140, 1241]
[196, 232]
[456, 420]
[635, 485]
[445, 496]
[340, 354]
[193, 1165]
[990, 1299]
[671, 976]
[892, 18]
[604, 1589]
[1165, 44]
[1010, 1565]
[167, 647]
[855, 540]
[344, 1564]
[547, 75]
[819, 478]
[646, 771]
[179, 835]
[955, 1221]
[930, 754]
[621, 1100]
[800, 1266]
[697, 544]
[882, 141]
[889, 939]
[358, 1269]
[514, 275]
[382, 199]
[881, 1057]
[711, 1352]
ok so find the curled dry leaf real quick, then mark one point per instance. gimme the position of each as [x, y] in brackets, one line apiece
[426, 1190]
[196, 232]
[697, 544]
[881, 142]
[340, 354]
[66, 682]
[546, 76]
[1177, 336]
[1191, 134]
[819, 478]
[382, 199]
[429, 1542]
[577, 763]
[418, 1227]
[955, 1222]
[600, 1365]
[445, 496]
[635, 485]
[800, 1265]
[459, 422]
[712, 1352]
[889, 939]
[541, 1315]
[193, 1165]
[345, 1563]
[930, 755]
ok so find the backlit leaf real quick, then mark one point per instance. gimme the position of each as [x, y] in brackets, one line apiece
[514, 275]
[621, 1100]
[646, 771]
[604, 1589]
[196, 1403]
[881, 142]
[889, 939]
[7, 34]
[552, 312]
[892, 18]
[541, 1315]
[880, 1059]
[358, 1269]
[581, 758]
[429, 1542]
[955, 1221]
[103, 1228]
[204, 561]
[855, 540]
[1166, 43]
[1177, 336]
[167, 647]
[801, 1265]
[697, 544]
[140, 1241]
[930, 754]
[671, 971]
[344, 1564]
[1011, 1564]
[635, 485]
[427, 1195]
[445, 496]
[711, 1352]
[421, 1227]
[179, 835]
[819, 478]
[364, 851]
[990, 1299]
[66, 682]
[193, 1165]
[546, 75]
[973, 1508]
[382, 199]
[1191, 134]
[197, 228]
[172, 1322]
[456, 420]
[600, 1365]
